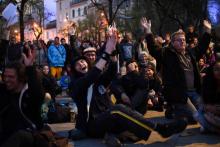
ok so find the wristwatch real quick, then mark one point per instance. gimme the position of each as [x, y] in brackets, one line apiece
[105, 56]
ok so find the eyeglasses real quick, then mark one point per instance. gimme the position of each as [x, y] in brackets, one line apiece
[180, 40]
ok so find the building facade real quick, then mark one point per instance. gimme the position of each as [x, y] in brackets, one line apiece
[69, 12]
[50, 31]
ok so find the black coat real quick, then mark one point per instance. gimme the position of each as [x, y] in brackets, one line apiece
[11, 120]
[100, 101]
[173, 74]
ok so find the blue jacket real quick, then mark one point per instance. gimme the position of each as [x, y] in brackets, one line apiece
[56, 55]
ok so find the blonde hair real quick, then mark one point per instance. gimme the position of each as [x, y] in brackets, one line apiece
[179, 32]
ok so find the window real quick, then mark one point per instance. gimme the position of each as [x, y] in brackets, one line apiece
[85, 11]
[79, 13]
[73, 13]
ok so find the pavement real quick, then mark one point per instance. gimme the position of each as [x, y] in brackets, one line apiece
[191, 137]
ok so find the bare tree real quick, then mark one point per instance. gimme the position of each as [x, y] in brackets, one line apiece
[41, 14]
[108, 8]
[21, 9]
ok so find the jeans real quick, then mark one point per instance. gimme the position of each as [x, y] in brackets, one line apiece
[199, 116]
[184, 110]
[195, 98]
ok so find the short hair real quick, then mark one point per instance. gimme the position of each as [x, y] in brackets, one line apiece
[62, 39]
[180, 32]
[19, 69]
[56, 37]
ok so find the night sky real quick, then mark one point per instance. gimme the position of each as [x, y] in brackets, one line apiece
[51, 7]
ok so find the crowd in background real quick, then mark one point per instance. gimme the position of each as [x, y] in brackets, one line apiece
[178, 73]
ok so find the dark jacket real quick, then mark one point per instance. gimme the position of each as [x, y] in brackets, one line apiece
[210, 93]
[127, 52]
[100, 98]
[10, 115]
[173, 74]
[50, 85]
[128, 84]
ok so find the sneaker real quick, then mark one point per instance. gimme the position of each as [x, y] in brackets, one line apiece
[112, 141]
[77, 134]
[168, 129]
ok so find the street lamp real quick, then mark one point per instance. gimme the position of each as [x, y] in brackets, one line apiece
[35, 25]
[102, 14]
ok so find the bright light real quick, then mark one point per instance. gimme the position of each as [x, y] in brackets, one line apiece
[102, 14]
[15, 31]
[65, 20]
[213, 11]
[35, 25]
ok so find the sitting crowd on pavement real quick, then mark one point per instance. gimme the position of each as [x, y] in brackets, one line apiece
[113, 84]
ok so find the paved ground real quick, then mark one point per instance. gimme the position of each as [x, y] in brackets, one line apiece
[189, 138]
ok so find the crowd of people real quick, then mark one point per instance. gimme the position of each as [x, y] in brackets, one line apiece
[113, 84]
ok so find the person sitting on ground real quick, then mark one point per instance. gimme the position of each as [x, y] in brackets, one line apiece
[130, 89]
[21, 99]
[49, 83]
[64, 81]
[154, 86]
[209, 115]
[96, 116]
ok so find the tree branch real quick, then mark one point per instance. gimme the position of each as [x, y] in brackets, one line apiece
[117, 8]
[101, 7]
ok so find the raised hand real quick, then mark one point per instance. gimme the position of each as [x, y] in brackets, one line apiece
[112, 40]
[28, 59]
[146, 24]
[111, 29]
[207, 26]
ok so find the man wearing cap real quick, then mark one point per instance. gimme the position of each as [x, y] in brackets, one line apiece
[90, 54]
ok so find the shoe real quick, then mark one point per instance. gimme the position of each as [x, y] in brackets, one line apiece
[168, 129]
[112, 141]
[128, 137]
[76, 134]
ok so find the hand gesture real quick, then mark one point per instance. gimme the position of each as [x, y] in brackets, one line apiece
[111, 29]
[207, 26]
[28, 59]
[146, 24]
[112, 40]
[132, 67]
